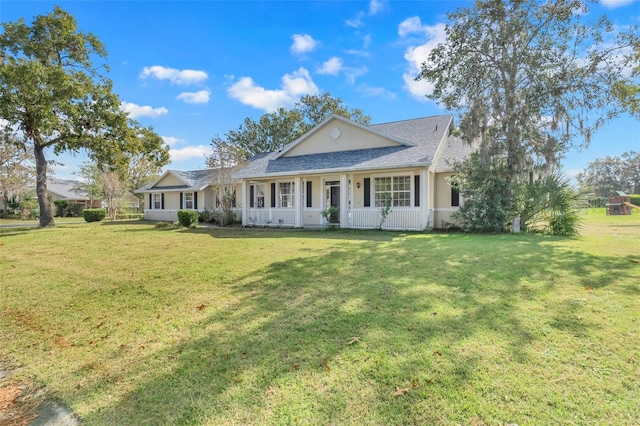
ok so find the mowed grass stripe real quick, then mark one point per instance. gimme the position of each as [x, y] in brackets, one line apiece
[128, 324]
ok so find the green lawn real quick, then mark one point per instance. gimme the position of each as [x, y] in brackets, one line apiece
[129, 324]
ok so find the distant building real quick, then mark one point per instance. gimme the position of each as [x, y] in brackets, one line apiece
[69, 190]
[619, 204]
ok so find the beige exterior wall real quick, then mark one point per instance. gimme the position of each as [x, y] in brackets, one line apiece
[316, 192]
[443, 208]
[351, 138]
[168, 180]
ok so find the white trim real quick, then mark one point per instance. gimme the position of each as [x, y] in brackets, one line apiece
[271, 176]
[412, 189]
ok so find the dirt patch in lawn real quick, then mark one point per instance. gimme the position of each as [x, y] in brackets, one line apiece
[23, 404]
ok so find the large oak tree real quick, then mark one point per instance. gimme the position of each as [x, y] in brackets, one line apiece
[51, 89]
[530, 80]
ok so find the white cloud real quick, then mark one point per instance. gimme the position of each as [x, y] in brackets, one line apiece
[294, 86]
[335, 66]
[302, 43]
[136, 111]
[175, 76]
[410, 25]
[199, 97]
[357, 21]
[375, 92]
[331, 67]
[612, 4]
[353, 73]
[572, 173]
[189, 152]
[375, 6]
[416, 55]
[366, 41]
[172, 141]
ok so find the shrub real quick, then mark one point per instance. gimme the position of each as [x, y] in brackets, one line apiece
[206, 216]
[94, 215]
[129, 215]
[331, 214]
[61, 208]
[223, 217]
[635, 199]
[162, 225]
[75, 209]
[188, 218]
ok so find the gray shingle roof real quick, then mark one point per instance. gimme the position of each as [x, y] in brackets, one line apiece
[425, 133]
[194, 180]
[455, 150]
[67, 189]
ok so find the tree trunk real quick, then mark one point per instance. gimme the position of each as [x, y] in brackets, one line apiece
[46, 217]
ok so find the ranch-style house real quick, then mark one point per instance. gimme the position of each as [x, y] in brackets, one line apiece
[339, 166]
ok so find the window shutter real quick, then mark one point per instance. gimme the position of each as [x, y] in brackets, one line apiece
[251, 195]
[195, 201]
[309, 196]
[273, 194]
[416, 186]
[367, 192]
[162, 201]
[150, 201]
[181, 200]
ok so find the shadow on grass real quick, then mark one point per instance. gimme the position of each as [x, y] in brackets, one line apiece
[283, 350]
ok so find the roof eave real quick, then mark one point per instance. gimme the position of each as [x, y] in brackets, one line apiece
[337, 170]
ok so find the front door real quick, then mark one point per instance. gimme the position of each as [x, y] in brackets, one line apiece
[332, 198]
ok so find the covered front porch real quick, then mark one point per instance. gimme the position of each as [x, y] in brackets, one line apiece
[359, 198]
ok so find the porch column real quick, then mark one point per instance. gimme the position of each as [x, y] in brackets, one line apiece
[424, 200]
[344, 197]
[245, 202]
[297, 203]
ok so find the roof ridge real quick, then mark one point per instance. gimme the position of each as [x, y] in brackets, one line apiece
[413, 119]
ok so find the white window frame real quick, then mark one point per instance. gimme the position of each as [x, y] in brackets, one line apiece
[259, 194]
[187, 204]
[290, 195]
[375, 202]
[157, 199]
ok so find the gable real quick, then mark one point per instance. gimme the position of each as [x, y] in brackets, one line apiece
[168, 180]
[337, 136]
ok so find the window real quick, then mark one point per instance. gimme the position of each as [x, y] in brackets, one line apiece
[396, 187]
[188, 200]
[286, 194]
[259, 196]
[157, 201]
[455, 196]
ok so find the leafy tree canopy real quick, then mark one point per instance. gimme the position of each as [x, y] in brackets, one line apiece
[53, 92]
[530, 79]
[17, 171]
[607, 175]
[286, 125]
[528, 76]
[628, 91]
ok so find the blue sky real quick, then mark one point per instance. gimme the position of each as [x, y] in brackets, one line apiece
[195, 69]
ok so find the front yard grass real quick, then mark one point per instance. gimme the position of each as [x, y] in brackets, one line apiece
[129, 324]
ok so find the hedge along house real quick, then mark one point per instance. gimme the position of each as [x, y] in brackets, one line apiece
[357, 169]
[181, 190]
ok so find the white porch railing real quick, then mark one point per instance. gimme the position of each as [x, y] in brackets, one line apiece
[399, 219]
[162, 215]
[271, 217]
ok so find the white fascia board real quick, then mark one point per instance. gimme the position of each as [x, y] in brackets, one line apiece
[334, 171]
